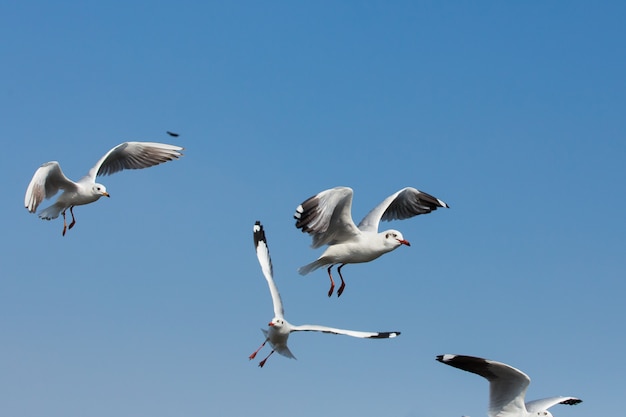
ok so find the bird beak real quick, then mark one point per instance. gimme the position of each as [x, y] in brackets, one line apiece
[270, 324]
[106, 194]
[404, 242]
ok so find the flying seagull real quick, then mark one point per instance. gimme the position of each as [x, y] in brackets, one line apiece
[279, 328]
[507, 387]
[327, 218]
[49, 178]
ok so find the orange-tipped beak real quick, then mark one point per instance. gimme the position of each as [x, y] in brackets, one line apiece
[404, 242]
[106, 194]
[270, 324]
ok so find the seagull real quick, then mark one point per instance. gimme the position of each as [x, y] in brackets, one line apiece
[507, 387]
[49, 178]
[279, 328]
[327, 217]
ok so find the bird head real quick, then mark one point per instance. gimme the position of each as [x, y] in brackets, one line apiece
[100, 190]
[276, 323]
[395, 239]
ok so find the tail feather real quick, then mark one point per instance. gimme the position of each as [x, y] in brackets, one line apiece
[312, 266]
[51, 212]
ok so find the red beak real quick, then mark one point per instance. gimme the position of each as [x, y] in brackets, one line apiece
[270, 324]
[404, 242]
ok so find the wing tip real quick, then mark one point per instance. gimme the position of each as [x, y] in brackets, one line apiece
[386, 335]
[258, 234]
[571, 401]
[298, 212]
[445, 357]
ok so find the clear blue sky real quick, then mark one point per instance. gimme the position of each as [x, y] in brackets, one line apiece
[512, 113]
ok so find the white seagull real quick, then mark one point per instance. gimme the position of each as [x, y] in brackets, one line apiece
[279, 328]
[507, 387]
[327, 217]
[49, 178]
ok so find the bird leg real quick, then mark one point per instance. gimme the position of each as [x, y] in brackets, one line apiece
[343, 284]
[73, 219]
[332, 283]
[64, 224]
[266, 358]
[257, 351]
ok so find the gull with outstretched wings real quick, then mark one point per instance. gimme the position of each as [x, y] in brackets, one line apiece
[279, 328]
[49, 178]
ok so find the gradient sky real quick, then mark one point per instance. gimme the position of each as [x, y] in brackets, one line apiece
[512, 113]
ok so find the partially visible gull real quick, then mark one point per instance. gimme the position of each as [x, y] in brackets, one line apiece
[507, 387]
[49, 178]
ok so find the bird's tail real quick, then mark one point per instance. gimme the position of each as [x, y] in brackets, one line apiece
[312, 266]
[51, 212]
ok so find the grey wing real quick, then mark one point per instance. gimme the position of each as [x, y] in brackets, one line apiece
[327, 216]
[353, 333]
[263, 255]
[404, 204]
[507, 385]
[46, 182]
[134, 155]
[545, 403]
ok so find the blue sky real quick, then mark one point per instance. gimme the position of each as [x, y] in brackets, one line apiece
[512, 113]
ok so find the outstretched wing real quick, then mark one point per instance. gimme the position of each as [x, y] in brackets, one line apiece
[406, 203]
[46, 182]
[133, 155]
[353, 333]
[507, 385]
[327, 216]
[545, 403]
[263, 254]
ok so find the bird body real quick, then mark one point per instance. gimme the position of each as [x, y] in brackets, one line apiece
[327, 217]
[363, 247]
[49, 178]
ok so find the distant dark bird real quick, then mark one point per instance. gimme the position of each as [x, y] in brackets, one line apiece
[173, 134]
[279, 329]
[49, 178]
[327, 217]
[507, 387]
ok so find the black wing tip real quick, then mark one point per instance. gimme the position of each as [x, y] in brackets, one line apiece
[173, 134]
[306, 213]
[386, 335]
[258, 234]
[473, 364]
[571, 401]
[459, 361]
[430, 200]
[298, 214]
